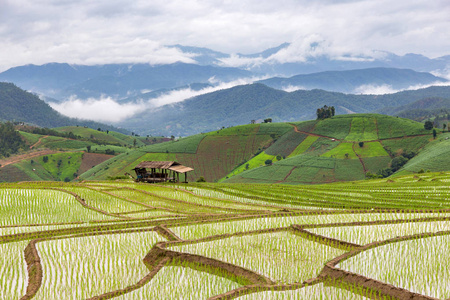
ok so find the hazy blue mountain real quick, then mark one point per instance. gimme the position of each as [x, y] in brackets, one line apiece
[161, 92]
[323, 62]
[241, 104]
[61, 81]
[349, 81]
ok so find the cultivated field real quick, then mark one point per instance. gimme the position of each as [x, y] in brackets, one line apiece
[377, 239]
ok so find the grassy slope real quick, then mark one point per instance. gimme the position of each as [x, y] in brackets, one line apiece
[212, 155]
[331, 150]
[310, 152]
[110, 137]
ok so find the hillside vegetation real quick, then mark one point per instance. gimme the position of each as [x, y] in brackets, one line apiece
[241, 104]
[342, 148]
[19, 105]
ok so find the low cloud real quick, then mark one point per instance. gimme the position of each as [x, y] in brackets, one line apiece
[101, 110]
[293, 88]
[107, 109]
[369, 89]
[303, 50]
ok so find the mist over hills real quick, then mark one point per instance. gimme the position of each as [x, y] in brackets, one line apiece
[216, 92]
[241, 104]
[119, 81]
[354, 81]
[21, 106]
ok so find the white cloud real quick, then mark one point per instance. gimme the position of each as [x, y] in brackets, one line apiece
[93, 32]
[109, 110]
[292, 88]
[369, 89]
[101, 110]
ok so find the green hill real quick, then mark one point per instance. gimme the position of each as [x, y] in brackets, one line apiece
[61, 154]
[342, 148]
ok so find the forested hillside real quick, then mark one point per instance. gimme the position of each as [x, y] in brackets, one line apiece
[21, 106]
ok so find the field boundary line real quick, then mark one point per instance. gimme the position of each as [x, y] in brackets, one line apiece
[167, 233]
[133, 287]
[34, 270]
[324, 240]
[330, 271]
[250, 289]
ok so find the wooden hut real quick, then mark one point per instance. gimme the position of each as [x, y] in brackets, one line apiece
[160, 171]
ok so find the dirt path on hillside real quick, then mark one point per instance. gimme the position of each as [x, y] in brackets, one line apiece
[360, 159]
[38, 142]
[18, 158]
[288, 174]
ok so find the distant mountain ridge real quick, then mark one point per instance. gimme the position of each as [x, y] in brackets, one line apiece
[61, 81]
[241, 104]
[349, 81]
[119, 81]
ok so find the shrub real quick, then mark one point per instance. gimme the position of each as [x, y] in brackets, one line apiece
[201, 179]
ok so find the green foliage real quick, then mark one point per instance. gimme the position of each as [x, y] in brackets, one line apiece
[10, 140]
[397, 147]
[325, 112]
[62, 165]
[398, 162]
[428, 125]
[201, 179]
[268, 162]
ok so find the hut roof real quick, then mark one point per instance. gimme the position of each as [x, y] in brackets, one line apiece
[169, 165]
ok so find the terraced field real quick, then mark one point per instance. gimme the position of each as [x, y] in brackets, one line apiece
[373, 239]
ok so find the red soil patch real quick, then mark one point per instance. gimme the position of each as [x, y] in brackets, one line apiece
[90, 160]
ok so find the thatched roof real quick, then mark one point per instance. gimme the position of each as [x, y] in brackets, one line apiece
[168, 165]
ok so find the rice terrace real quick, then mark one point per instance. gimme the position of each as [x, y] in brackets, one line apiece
[286, 213]
[373, 239]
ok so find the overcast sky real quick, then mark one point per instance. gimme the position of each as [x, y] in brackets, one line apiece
[110, 31]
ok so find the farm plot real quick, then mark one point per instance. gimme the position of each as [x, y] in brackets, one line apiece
[84, 267]
[419, 265]
[173, 282]
[105, 201]
[317, 291]
[13, 270]
[33, 206]
[281, 256]
[371, 233]
[224, 241]
[198, 231]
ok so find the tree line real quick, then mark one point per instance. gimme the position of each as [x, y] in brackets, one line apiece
[10, 140]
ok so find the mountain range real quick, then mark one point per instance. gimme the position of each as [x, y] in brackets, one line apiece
[210, 105]
[61, 81]
[241, 104]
